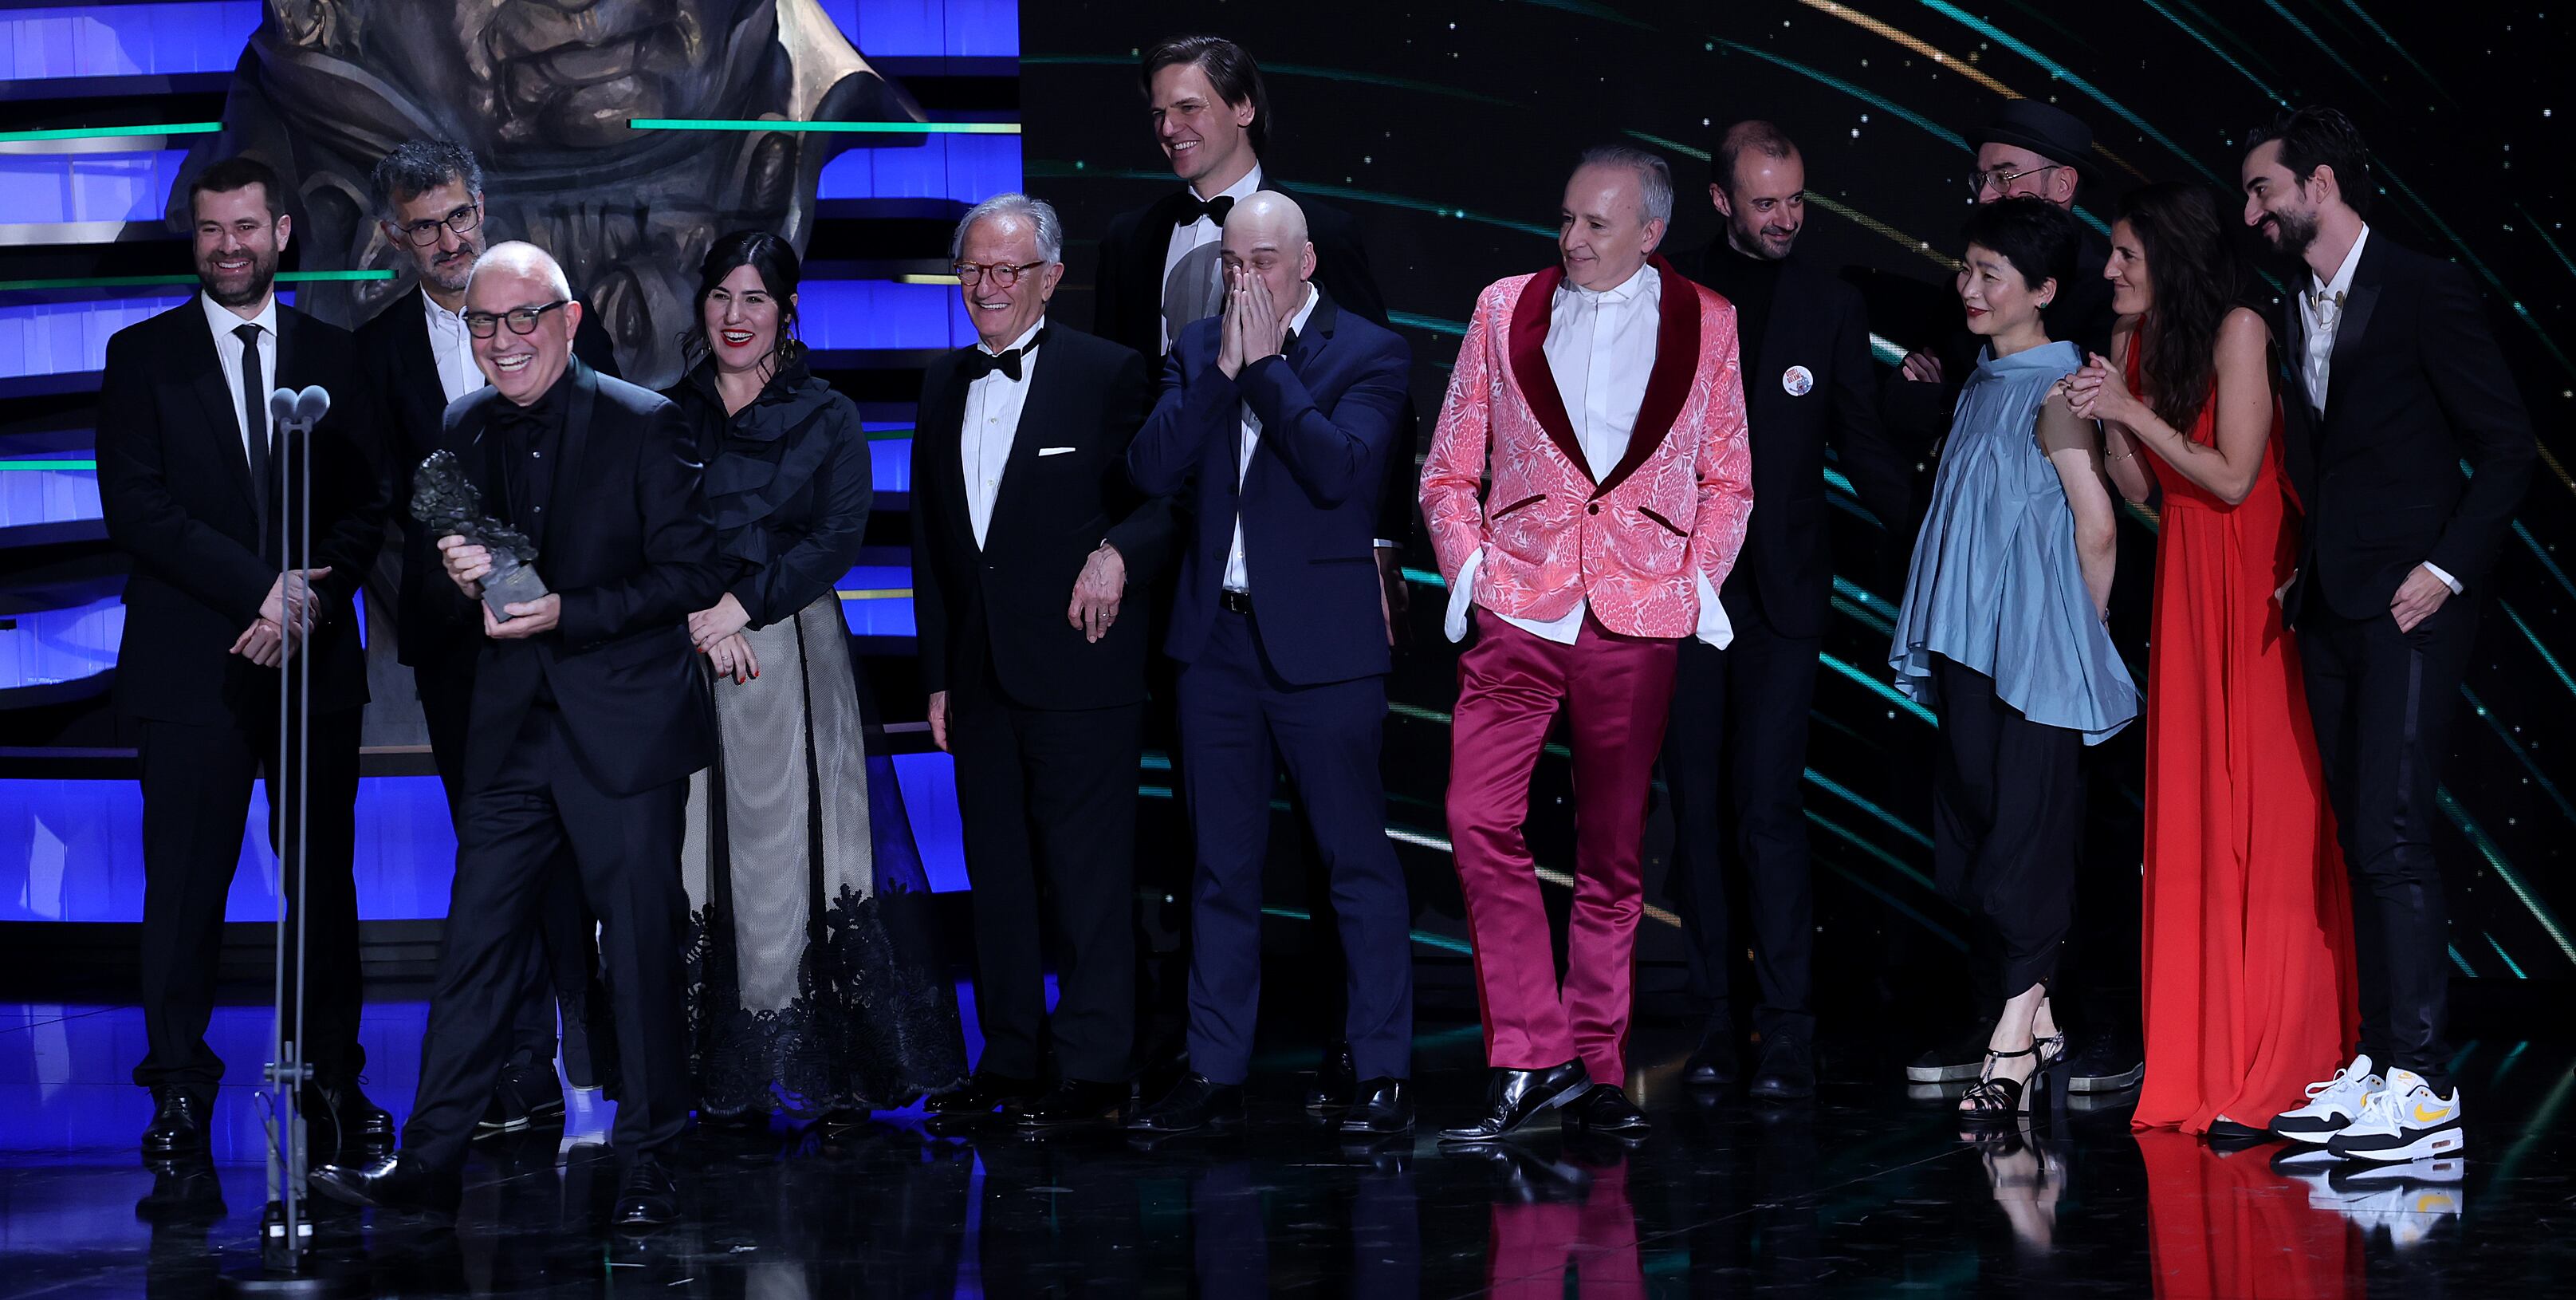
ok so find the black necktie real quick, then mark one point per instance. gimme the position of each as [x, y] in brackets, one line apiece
[1191, 210]
[980, 363]
[255, 426]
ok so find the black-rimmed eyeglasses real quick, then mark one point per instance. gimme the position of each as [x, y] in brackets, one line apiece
[523, 320]
[1003, 274]
[424, 233]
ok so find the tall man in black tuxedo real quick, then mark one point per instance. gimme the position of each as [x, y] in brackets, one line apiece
[199, 495]
[590, 712]
[1159, 271]
[2035, 148]
[1273, 428]
[1735, 753]
[420, 359]
[1026, 539]
[2391, 383]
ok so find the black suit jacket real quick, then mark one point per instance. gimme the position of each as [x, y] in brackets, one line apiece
[2415, 387]
[1127, 308]
[629, 546]
[1004, 603]
[176, 488]
[394, 349]
[1786, 569]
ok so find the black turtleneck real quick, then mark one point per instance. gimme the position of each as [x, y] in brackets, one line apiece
[530, 442]
[1749, 283]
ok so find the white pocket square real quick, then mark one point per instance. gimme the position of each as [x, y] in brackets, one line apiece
[1054, 451]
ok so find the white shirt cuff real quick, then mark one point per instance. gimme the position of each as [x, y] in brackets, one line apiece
[1462, 594]
[1713, 627]
[1385, 545]
[2447, 579]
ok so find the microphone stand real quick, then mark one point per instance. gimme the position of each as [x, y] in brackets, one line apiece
[286, 1224]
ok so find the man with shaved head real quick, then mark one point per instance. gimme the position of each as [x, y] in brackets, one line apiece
[589, 714]
[1275, 423]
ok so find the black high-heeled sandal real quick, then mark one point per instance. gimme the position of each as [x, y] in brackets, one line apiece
[1992, 1102]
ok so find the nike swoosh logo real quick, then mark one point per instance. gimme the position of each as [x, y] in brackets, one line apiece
[2432, 1114]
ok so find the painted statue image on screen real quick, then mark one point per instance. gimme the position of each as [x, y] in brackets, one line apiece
[541, 91]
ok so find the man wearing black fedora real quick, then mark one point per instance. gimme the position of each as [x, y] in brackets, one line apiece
[2031, 148]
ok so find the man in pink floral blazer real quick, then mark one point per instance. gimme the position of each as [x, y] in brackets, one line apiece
[1603, 396]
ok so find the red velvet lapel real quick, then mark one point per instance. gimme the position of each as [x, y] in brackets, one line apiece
[1529, 365]
[1669, 384]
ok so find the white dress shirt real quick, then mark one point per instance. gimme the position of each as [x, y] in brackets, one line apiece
[992, 423]
[1601, 348]
[1193, 266]
[2321, 310]
[228, 349]
[1238, 575]
[453, 348]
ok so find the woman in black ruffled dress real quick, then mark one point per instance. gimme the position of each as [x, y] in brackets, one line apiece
[814, 982]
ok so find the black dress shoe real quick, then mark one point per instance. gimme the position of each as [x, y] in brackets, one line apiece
[396, 1182]
[1513, 1098]
[1603, 1108]
[527, 1094]
[185, 1194]
[1197, 1104]
[178, 1126]
[1713, 1063]
[1787, 1070]
[2106, 1061]
[1072, 1102]
[982, 1095]
[1336, 1080]
[340, 1121]
[649, 1198]
[1382, 1108]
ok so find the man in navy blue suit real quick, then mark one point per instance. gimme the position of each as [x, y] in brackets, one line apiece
[1275, 422]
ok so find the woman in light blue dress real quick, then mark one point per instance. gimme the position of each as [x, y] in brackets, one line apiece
[2001, 632]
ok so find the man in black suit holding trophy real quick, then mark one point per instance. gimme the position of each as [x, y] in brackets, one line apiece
[590, 712]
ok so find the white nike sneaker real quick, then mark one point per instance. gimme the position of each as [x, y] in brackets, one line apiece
[2332, 1105]
[2406, 1120]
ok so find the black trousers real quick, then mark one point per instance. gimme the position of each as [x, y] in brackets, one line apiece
[1048, 802]
[519, 822]
[2382, 702]
[196, 796]
[2007, 803]
[563, 969]
[1735, 758]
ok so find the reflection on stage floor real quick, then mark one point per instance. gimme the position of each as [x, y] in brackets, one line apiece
[1869, 1191]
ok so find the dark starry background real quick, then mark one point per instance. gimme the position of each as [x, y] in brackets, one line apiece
[1448, 128]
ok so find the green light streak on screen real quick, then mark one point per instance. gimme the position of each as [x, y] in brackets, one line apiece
[110, 132]
[2504, 871]
[861, 128]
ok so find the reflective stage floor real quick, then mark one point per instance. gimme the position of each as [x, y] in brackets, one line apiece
[1866, 1192]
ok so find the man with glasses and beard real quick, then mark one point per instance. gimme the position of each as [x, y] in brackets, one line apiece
[420, 359]
[590, 712]
[203, 497]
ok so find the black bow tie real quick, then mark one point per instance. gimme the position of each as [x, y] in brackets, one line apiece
[980, 363]
[1191, 210]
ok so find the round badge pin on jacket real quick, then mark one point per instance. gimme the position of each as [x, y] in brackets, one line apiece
[1797, 380]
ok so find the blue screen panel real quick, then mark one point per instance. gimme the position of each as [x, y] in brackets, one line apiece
[922, 28]
[125, 40]
[59, 338]
[875, 314]
[929, 784]
[50, 646]
[966, 168]
[49, 496]
[873, 614]
[889, 468]
[48, 188]
[72, 850]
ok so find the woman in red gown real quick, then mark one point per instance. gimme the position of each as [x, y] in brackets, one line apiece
[2248, 974]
